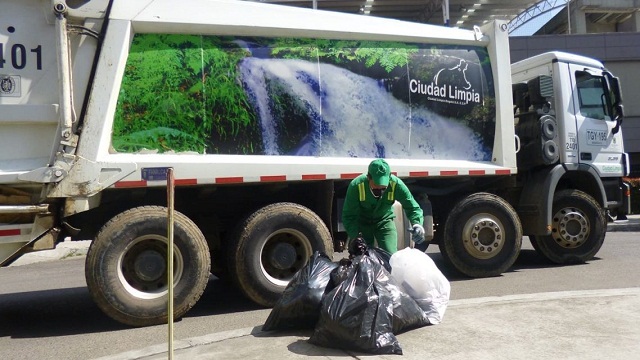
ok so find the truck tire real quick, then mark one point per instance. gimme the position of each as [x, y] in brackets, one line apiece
[271, 245]
[578, 228]
[482, 236]
[126, 266]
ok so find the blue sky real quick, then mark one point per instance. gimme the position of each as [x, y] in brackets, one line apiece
[534, 24]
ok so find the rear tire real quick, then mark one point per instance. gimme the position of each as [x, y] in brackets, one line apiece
[482, 236]
[126, 266]
[578, 229]
[273, 244]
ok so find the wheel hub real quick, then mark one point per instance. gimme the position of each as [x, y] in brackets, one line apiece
[149, 265]
[142, 269]
[570, 228]
[283, 256]
[284, 253]
[483, 236]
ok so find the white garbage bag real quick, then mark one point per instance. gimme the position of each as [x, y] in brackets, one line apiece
[423, 281]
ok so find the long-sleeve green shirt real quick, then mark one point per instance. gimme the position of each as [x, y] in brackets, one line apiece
[362, 208]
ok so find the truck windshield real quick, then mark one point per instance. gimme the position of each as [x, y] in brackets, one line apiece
[592, 95]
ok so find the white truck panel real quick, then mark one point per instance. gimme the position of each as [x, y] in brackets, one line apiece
[230, 17]
[261, 168]
[504, 151]
[550, 57]
[247, 18]
[27, 104]
[102, 102]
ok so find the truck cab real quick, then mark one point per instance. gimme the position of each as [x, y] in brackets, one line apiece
[568, 112]
[580, 105]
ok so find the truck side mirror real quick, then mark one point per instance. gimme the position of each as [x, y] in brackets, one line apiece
[618, 115]
[617, 109]
[615, 88]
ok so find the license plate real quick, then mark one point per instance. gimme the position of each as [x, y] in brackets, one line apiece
[596, 137]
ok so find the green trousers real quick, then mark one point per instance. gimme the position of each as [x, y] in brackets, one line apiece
[383, 232]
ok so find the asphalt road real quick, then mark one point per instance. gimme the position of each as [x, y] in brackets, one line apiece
[46, 311]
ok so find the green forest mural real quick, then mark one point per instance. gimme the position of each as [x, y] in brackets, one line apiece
[307, 97]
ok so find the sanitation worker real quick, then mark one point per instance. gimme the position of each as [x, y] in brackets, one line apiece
[367, 208]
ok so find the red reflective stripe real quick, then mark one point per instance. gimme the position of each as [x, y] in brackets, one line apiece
[129, 184]
[273, 178]
[186, 182]
[314, 177]
[10, 232]
[229, 180]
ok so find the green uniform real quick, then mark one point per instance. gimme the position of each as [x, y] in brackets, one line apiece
[364, 213]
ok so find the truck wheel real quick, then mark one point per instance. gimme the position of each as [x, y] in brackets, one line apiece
[578, 229]
[126, 266]
[482, 236]
[271, 245]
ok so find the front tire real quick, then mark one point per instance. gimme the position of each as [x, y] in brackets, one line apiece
[126, 266]
[578, 228]
[273, 244]
[482, 236]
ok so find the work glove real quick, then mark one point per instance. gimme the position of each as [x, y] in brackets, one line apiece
[417, 233]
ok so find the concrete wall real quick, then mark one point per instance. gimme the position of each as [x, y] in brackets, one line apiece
[620, 53]
[609, 16]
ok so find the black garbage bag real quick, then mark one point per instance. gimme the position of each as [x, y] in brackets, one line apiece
[363, 311]
[380, 256]
[339, 274]
[407, 313]
[299, 305]
[358, 247]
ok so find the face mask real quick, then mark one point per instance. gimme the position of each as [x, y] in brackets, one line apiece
[378, 192]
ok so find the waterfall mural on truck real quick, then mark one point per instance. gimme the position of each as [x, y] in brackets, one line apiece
[305, 97]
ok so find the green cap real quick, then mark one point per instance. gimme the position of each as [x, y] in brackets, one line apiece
[380, 172]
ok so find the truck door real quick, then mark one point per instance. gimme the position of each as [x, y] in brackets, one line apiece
[598, 145]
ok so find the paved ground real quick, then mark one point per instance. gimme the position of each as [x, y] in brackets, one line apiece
[599, 324]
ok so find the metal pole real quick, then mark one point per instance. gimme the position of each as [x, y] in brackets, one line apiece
[64, 71]
[445, 12]
[568, 17]
[170, 206]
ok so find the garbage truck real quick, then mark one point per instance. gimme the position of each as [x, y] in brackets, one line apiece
[263, 114]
